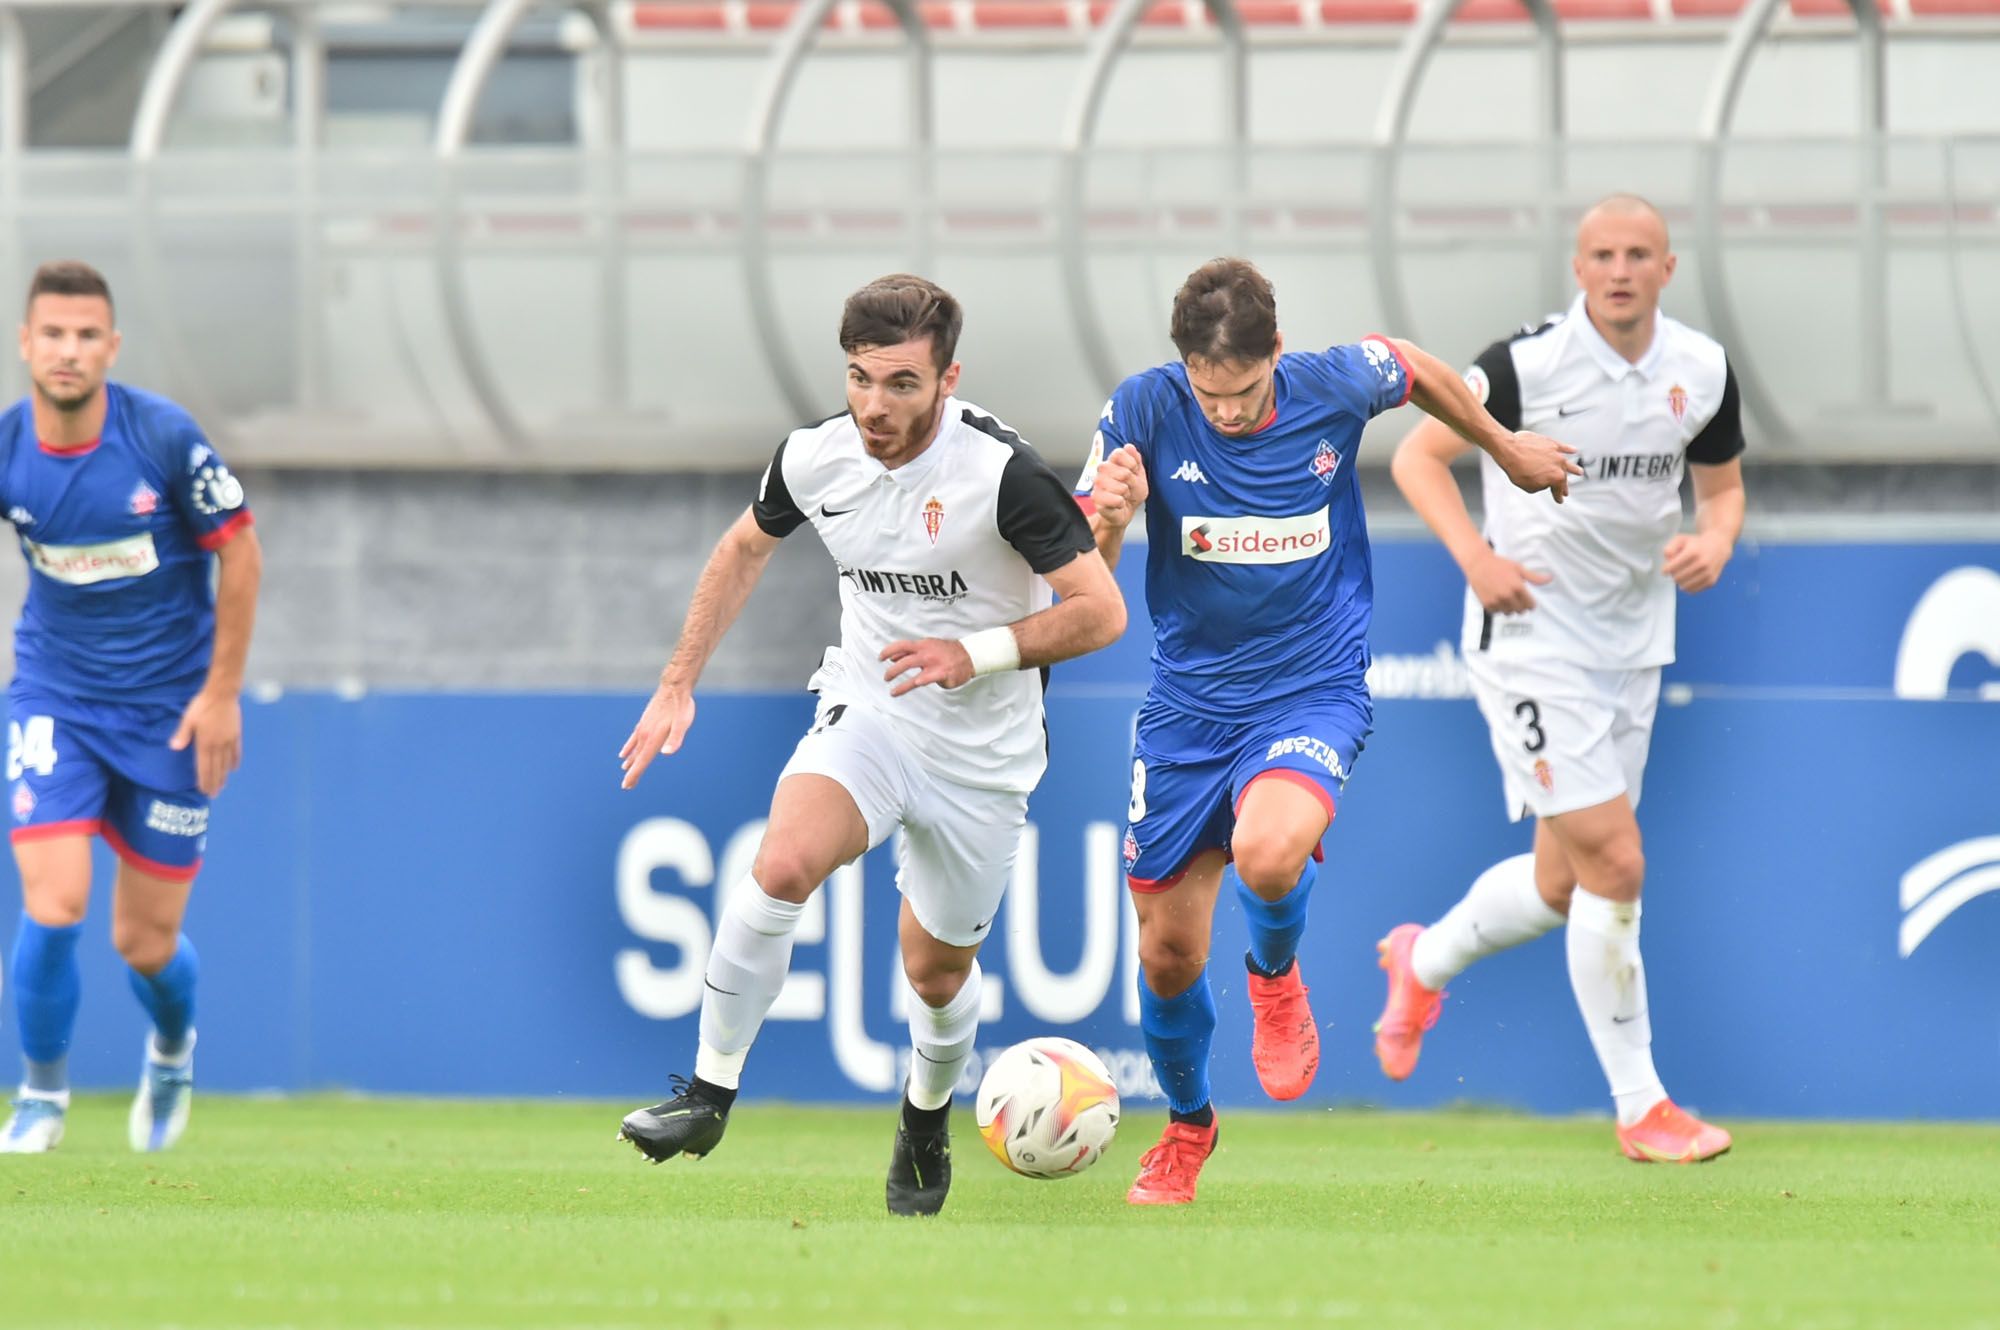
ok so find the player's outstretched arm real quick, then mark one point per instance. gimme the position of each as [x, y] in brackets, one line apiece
[213, 721]
[1695, 560]
[1089, 615]
[1422, 471]
[1117, 496]
[1532, 462]
[719, 595]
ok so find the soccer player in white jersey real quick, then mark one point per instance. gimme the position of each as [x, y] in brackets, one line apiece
[1569, 615]
[949, 533]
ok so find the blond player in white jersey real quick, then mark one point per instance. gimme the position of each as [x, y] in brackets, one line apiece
[1569, 617]
[949, 534]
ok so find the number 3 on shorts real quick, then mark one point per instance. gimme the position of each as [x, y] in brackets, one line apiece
[1136, 810]
[31, 747]
[1531, 721]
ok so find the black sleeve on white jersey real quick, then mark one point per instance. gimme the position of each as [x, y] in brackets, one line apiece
[1721, 439]
[774, 509]
[1503, 385]
[1038, 515]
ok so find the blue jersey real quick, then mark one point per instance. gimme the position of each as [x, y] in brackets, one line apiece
[1257, 570]
[117, 534]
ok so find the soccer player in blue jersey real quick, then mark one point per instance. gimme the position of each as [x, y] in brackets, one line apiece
[123, 716]
[1257, 577]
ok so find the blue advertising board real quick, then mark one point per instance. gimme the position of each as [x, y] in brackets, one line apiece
[442, 893]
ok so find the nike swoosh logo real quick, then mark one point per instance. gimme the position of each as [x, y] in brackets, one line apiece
[1561, 411]
[982, 926]
[825, 511]
[1623, 1020]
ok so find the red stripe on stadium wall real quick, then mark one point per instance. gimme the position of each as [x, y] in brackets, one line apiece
[877, 16]
[1269, 13]
[152, 867]
[683, 18]
[1159, 14]
[763, 16]
[1028, 14]
[225, 533]
[83, 826]
[1367, 11]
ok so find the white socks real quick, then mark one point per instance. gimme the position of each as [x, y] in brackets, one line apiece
[746, 968]
[942, 1039]
[1503, 909]
[1609, 980]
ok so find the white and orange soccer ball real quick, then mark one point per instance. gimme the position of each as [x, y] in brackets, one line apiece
[1047, 1108]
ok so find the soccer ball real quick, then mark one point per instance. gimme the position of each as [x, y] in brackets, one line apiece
[1047, 1108]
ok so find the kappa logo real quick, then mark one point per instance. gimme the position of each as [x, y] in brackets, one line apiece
[20, 516]
[1191, 472]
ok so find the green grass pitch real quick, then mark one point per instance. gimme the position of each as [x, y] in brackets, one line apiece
[383, 1213]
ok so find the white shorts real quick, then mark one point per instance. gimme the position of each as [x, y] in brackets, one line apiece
[956, 854]
[1566, 737]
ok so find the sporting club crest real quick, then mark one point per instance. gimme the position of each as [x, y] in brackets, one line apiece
[933, 518]
[1677, 399]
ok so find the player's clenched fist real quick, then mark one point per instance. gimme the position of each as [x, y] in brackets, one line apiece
[1120, 487]
[1695, 562]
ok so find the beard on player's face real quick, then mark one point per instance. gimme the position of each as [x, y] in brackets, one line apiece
[72, 393]
[908, 433]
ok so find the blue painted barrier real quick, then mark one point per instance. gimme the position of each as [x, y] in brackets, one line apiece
[448, 893]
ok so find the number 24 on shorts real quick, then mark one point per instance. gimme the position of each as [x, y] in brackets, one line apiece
[31, 747]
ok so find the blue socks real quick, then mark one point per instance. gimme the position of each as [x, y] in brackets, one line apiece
[1275, 926]
[1178, 1032]
[47, 987]
[168, 998]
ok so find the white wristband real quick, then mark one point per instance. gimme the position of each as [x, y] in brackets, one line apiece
[992, 650]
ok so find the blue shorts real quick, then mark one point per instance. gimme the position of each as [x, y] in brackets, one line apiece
[1189, 774]
[75, 768]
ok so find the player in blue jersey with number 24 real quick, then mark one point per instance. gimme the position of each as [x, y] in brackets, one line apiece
[1257, 577]
[123, 716]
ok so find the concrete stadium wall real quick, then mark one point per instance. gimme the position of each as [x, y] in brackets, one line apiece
[389, 579]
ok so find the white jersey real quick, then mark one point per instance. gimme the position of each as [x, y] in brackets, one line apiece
[1608, 606]
[945, 545]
